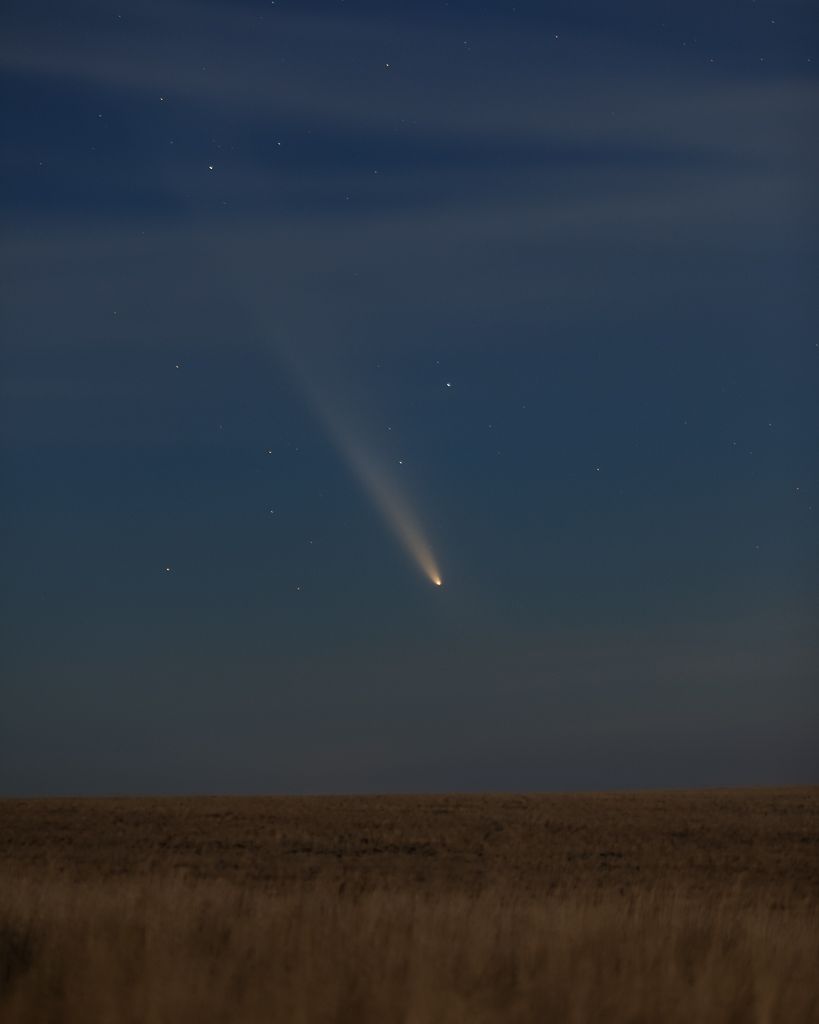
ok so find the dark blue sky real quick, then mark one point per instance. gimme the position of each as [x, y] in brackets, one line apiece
[553, 265]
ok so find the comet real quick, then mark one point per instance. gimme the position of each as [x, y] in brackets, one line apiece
[387, 497]
[372, 472]
[375, 478]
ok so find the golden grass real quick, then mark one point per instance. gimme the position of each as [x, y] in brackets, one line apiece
[665, 907]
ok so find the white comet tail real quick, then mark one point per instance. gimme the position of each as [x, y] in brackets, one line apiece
[391, 503]
[376, 480]
[372, 472]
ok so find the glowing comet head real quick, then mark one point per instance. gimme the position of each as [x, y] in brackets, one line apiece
[437, 581]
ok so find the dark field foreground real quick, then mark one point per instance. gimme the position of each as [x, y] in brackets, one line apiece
[659, 907]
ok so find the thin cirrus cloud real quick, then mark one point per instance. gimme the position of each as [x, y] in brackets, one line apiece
[541, 95]
[579, 182]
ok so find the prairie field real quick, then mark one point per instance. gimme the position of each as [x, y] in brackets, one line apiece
[683, 906]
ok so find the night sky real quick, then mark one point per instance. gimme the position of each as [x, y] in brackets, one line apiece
[301, 299]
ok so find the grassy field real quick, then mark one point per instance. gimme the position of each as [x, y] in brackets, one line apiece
[666, 907]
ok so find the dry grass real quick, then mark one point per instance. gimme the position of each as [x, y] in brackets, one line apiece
[607, 908]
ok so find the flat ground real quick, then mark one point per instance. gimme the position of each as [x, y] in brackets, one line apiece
[638, 907]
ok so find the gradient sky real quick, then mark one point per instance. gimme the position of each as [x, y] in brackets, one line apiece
[551, 265]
